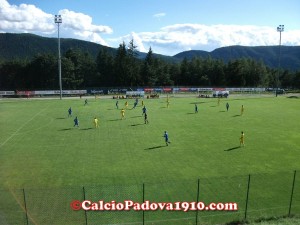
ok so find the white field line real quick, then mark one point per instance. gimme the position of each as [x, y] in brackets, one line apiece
[23, 208]
[21, 127]
[39, 128]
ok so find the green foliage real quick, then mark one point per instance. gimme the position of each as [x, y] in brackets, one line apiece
[12, 75]
[82, 68]
[105, 68]
[133, 76]
[41, 72]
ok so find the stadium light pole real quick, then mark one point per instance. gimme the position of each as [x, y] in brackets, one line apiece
[58, 21]
[280, 29]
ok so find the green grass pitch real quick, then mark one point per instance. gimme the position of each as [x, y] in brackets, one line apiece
[40, 148]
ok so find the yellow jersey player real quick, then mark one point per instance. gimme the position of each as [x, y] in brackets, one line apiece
[168, 101]
[126, 104]
[242, 110]
[242, 139]
[96, 122]
[123, 114]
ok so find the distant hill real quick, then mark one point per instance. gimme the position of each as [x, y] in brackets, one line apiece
[21, 46]
[290, 55]
[26, 46]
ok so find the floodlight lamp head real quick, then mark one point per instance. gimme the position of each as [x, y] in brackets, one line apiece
[58, 19]
[280, 28]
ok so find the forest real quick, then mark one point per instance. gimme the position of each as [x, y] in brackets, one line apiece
[80, 70]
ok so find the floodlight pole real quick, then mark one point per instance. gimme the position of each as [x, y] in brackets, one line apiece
[280, 29]
[58, 21]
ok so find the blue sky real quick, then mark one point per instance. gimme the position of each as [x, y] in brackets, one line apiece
[167, 26]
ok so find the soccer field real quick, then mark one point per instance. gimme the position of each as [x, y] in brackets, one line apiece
[40, 147]
[38, 140]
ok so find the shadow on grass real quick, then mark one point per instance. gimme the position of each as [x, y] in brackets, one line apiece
[293, 96]
[65, 129]
[137, 124]
[235, 223]
[198, 103]
[231, 149]
[273, 219]
[114, 120]
[89, 128]
[236, 115]
[156, 147]
[136, 116]
[60, 118]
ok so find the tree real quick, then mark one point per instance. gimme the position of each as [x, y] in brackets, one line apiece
[175, 73]
[69, 80]
[217, 76]
[121, 66]
[196, 70]
[287, 79]
[236, 73]
[272, 78]
[296, 81]
[162, 73]
[88, 70]
[184, 78]
[105, 68]
[148, 72]
[42, 72]
[83, 71]
[133, 63]
[12, 75]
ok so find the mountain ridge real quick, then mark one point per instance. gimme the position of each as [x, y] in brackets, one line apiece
[289, 55]
[26, 46]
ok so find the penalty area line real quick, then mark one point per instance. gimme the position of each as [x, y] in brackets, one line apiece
[21, 127]
[23, 208]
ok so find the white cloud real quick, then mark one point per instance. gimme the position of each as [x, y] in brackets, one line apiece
[81, 22]
[168, 40]
[175, 38]
[137, 40]
[90, 36]
[159, 15]
[26, 18]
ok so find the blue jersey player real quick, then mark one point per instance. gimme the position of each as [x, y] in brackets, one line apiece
[76, 122]
[135, 104]
[144, 110]
[70, 112]
[166, 136]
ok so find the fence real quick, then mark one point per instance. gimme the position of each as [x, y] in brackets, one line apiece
[123, 90]
[257, 196]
